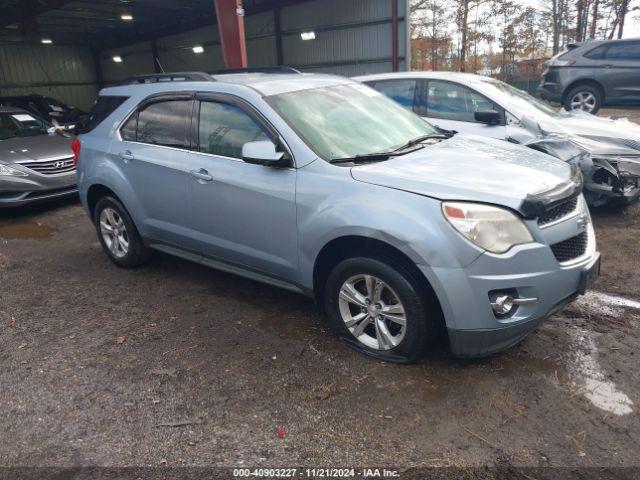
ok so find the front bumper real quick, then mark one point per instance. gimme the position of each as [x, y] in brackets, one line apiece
[34, 188]
[532, 270]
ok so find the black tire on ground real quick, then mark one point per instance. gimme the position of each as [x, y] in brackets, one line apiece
[583, 89]
[424, 321]
[137, 253]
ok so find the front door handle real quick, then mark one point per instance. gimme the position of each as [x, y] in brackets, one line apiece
[202, 175]
[126, 156]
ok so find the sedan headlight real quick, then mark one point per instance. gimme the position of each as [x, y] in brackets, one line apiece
[6, 170]
[491, 228]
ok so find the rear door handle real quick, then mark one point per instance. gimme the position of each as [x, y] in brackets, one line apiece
[202, 175]
[126, 156]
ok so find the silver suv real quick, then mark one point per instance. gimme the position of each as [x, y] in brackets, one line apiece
[323, 186]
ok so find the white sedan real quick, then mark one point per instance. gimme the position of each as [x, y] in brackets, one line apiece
[485, 106]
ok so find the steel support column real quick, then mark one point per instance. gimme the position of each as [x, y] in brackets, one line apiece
[230, 17]
[278, 32]
[394, 35]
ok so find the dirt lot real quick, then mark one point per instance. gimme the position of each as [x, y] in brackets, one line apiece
[175, 364]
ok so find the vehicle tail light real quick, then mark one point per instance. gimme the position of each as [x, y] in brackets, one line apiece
[75, 146]
[561, 63]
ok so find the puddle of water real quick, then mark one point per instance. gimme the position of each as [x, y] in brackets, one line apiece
[600, 391]
[26, 230]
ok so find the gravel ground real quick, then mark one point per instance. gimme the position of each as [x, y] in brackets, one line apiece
[175, 364]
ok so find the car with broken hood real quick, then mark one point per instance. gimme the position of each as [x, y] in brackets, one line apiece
[485, 106]
[325, 187]
[36, 160]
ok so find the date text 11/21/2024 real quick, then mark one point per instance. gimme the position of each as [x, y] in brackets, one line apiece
[315, 473]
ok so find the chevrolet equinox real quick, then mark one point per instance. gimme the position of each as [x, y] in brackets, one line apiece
[321, 185]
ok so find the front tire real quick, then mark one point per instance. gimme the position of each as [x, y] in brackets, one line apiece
[118, 235]
[583, 97]
[379, 308]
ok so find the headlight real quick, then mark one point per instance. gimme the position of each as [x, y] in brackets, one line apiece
[10, 171]
[491, 228]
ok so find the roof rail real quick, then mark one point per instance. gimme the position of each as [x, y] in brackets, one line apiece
[276, 69]
[168, 77]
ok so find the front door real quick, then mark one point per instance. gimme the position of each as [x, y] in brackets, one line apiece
[240, 213]
[452, 106]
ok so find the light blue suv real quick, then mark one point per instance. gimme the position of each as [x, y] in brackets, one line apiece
[323, 186]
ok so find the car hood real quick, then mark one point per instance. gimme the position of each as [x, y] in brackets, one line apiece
[39, 147]
[474, 168]
[599, 135]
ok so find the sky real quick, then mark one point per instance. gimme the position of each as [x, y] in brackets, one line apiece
[631, 21]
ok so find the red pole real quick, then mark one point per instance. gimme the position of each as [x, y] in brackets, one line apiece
[230, 16]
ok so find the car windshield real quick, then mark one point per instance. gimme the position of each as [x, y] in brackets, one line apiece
[519, 100]
[348, 120]
[20, 124]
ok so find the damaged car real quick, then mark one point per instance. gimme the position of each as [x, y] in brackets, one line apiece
[485, 106]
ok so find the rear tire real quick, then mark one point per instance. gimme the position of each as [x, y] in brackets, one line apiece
[379, 308]
[583, 97]
[118, 235]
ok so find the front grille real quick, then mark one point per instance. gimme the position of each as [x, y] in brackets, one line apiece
[51, 167]
[559, 211]
[571, 248]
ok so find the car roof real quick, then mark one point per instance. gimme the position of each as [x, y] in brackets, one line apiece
[264, 83]
[10, 109]
[459, 76]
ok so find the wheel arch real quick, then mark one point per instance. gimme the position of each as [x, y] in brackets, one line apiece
[585, 81]
[95, 192]
[347, 246]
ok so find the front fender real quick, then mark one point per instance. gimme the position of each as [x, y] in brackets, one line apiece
[411, 223]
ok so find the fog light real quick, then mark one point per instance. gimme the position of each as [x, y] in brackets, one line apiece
[505, 302]
[502, 304]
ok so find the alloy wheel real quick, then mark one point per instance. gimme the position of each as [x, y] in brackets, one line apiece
[114, 233]
[585, 101]
[372, 312]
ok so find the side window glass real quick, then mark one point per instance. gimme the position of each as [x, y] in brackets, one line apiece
[165, 123]
[225, 128]
[623, 51]
[128, 130]
[402, 91]
[597, 53]
[454, 102]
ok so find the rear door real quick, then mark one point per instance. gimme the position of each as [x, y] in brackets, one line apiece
[452, 106]
[240, 213]
[153, 153]
[621, 75]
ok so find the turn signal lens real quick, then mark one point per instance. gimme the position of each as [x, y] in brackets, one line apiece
[75, 146]
[490, 228]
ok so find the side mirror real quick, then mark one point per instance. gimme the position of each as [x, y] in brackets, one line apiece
[490, 117]
[262, 153]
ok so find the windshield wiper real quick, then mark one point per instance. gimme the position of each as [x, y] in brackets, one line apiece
[369, 157]
[420, 139]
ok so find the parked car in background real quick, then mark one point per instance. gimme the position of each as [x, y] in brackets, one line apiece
[323, 186]
[593, 74]
[36, 160]
[485, 106]
[48, 108]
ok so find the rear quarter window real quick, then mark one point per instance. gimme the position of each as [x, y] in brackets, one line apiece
[105, 105]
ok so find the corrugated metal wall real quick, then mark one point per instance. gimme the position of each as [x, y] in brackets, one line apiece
[63, 72]
[353, 37]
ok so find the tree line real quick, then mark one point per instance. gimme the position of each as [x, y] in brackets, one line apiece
[489, 35]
